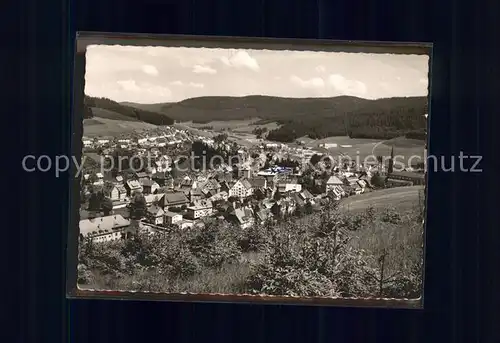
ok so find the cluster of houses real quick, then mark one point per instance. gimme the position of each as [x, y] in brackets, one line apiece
[239, 197]
[166, 136]
[244, 195]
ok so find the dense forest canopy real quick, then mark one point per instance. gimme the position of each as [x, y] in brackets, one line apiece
[313, 117]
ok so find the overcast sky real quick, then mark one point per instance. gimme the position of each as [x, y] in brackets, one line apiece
[162, 74]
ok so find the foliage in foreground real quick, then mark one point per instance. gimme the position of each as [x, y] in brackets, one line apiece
[332, 253]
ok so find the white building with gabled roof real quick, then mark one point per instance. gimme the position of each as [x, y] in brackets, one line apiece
[103, 229]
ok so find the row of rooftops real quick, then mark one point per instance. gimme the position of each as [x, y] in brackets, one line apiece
[157, 133]
[106, 224]
[115, 223]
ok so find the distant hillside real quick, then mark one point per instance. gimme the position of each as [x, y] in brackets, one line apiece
[313, 117]
[146, 107]
[109, 109]
[404, 142]
[206, 109]
[107, 114]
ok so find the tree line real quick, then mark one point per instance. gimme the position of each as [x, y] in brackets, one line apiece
[384, 122]
[327, 253]
[150, 117]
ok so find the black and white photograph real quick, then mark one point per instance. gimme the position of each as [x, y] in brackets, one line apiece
[253, 172]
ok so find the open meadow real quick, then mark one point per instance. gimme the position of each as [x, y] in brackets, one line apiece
[361, 148]
[98, 126]
[400, 198]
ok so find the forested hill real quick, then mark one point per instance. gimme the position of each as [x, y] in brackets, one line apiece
[314, 117]
[106, 107]
[378, 119]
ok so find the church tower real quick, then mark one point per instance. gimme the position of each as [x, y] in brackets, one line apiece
[391, 162]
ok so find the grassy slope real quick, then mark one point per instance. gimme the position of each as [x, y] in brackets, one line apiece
[109, 127]
[403, 142]
[107, 114]
[110, 119]
[152, 117]
[401, 198]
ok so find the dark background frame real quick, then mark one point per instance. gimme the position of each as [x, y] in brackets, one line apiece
[462, 298]
[85, 39]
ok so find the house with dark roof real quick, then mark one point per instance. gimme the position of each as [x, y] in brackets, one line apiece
[366, 179]
[262, 193]
[335, 186]
[200, 209]
[154, 215]
[221, 196]
[210, 187]
[337, 192]
[173, 199]
[244, 171]
[360, 186]
[258, 182]
[302, 198]
[284, 187]
[223, 177]
[284, 207]
[306, 194]
[116, 192]
[153, 199]
[226, 186]
[244, 217]
[133, 186]
[148, 186]
[263, 215]
[140, 175]
[159, 177]
[296, 196]
[195, 194]
[172, 218]
[187, 182]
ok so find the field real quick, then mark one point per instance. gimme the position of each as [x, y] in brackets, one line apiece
[239, 131]
[203, 133]
[361, 148]
[98, 126]
[107, 114]
[401, 198]
[242, 138]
